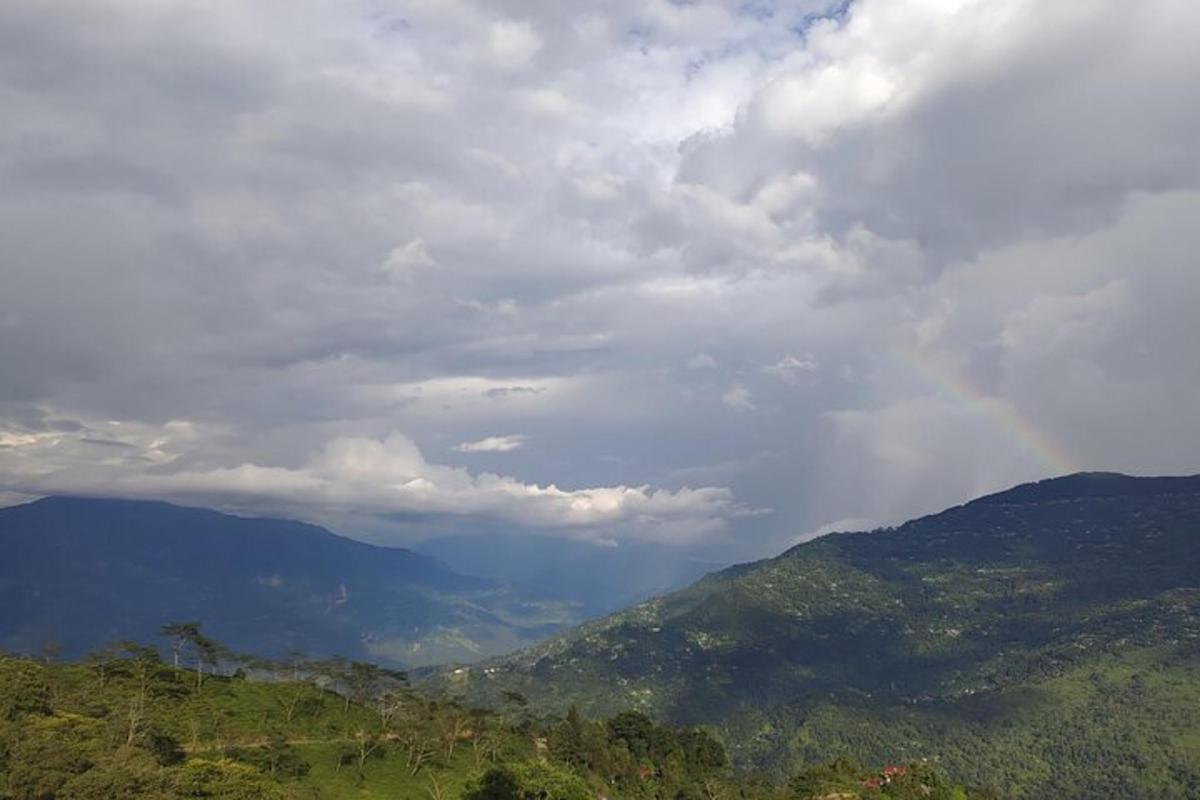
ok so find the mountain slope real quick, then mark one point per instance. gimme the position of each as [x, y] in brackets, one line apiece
[1054, 624]
[600, 579]
[83, 572]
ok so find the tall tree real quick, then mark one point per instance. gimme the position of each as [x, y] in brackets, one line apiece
[180, 635]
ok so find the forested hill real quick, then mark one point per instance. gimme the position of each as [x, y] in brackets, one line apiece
[83, 572]
[1044, 640]
[125, 725]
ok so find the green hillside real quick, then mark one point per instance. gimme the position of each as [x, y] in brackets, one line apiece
[1044, 640]
[127, 725]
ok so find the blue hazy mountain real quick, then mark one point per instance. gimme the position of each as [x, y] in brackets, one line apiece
[599, 578]
[82, 572]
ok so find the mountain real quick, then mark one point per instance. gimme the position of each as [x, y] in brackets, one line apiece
[600, 579]
[83, 572]
[1044, 640]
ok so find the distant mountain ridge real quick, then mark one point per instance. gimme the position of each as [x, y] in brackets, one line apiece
[86, 571]
[600, 579]
[1045, 640]
[1083, 485]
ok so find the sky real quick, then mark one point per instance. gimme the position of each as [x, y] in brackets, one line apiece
[723, 275]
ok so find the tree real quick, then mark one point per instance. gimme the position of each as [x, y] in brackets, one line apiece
[567, 743]
[102, 660]
[128, 775]
[366, 746]
[225, 779]
[180, 635]
[498, 783]
[208, 653]
[294, 686]
[530, 780]
[51, 650]
[330, 674]
[702, 753]
[481, 733]
[389, 704]
[49, 752]
[142, 662]
[435, 790]
[276, 757]
[453, 725]
[838, 775]
[22, 689]
[363, 679]
[420, 750]
[185, 636]
[633, 728]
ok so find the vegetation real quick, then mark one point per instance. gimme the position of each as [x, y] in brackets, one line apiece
[127, 724]
[1045, 641]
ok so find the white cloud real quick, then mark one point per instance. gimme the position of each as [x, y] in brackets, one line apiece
[513, 43]
[493, 444]
[738, 398]
[790, 369]
[363, 475]
[405, 262]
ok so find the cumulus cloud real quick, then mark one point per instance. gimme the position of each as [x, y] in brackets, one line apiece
[407, 261]
[493, 444]
[935, 248]
[363, 475]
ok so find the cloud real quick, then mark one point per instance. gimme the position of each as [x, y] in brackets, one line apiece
[790, 369]
[407, 261]
[493, 444]
[388, 476]
[910, 237]
[512, 43]
[738, 398]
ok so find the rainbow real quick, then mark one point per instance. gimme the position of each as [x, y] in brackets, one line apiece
[1001, 412]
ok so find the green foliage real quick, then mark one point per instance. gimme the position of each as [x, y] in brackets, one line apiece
[1045, 641]
[635, 730]
[223, 779]
[842, 778]
[276, 757]
[127, 774]
[822, 779]
[48, 751]
[23, 689]
[531, 780]
[123, 724]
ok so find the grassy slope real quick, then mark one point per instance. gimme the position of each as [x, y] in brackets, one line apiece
[386, 779]
[227, 712]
